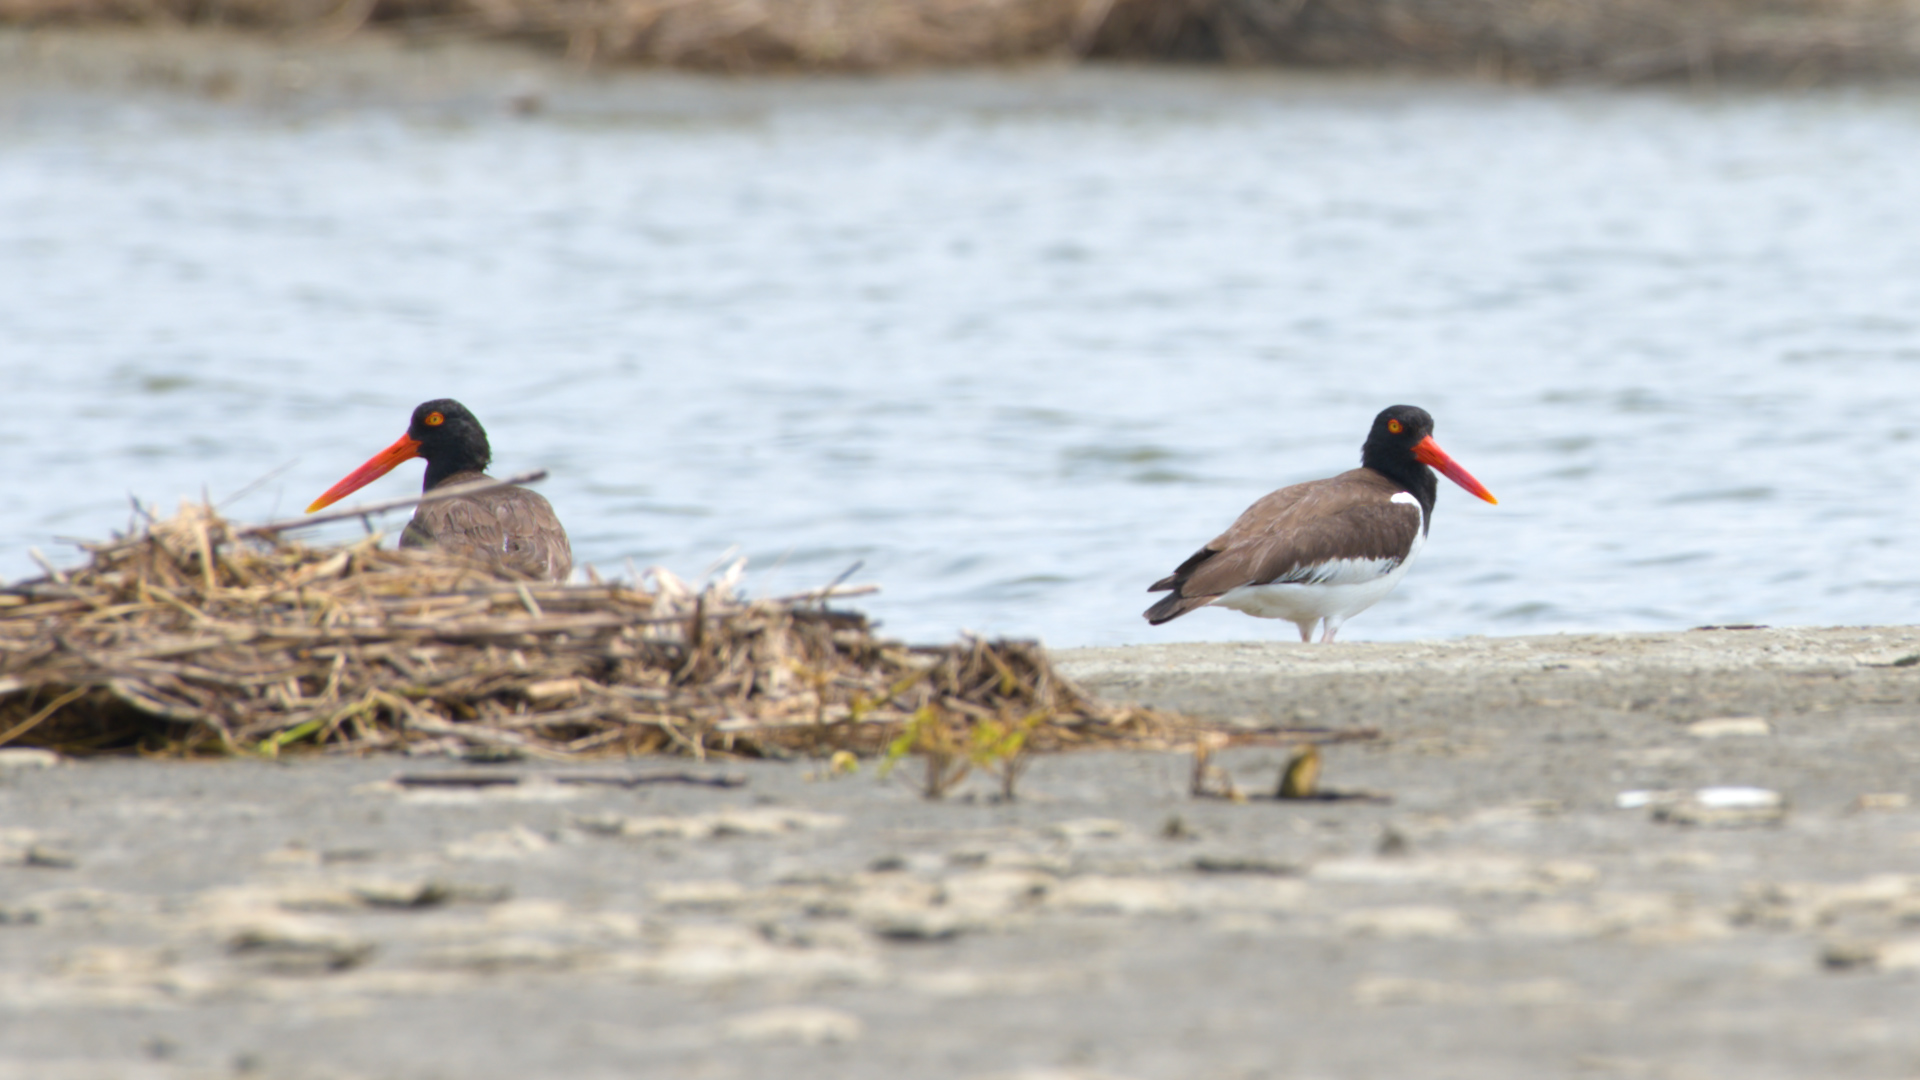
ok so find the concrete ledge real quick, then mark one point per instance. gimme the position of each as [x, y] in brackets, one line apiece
[1672, 676]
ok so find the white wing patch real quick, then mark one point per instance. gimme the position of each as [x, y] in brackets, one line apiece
[1406, 499]
[1342, 572]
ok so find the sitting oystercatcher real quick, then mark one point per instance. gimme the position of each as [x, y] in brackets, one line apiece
[1326, 550]
[510, 525]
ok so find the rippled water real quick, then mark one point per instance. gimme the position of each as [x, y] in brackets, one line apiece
[1019, 343]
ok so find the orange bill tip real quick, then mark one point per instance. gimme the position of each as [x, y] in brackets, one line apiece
[1428, 452]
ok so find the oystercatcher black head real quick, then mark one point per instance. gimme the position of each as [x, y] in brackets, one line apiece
[1324, 551]
[442, 431]
[1401, 448]
[510, 525]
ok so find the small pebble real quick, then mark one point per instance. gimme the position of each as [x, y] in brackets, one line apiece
[1738, 798]
[909, 924]
[1849, 955]
[808, 1025]
[1723, 726]
[51, 858]
[1080, 830]
[408, 895]
[1724, 807]
[1244, 864]
[290, 947]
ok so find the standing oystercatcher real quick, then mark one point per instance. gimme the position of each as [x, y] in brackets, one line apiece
[510, 525]
[1327, 549]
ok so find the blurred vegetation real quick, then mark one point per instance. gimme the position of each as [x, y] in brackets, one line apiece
[1522, 40]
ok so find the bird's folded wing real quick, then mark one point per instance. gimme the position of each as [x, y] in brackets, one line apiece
[1318, 533]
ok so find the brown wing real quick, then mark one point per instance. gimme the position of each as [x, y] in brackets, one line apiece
[1290, 535]
[513, 526]
[536, 543]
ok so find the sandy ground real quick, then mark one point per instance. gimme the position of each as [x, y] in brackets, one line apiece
[1494, 912]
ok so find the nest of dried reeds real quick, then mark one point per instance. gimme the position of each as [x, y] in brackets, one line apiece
[196, 635]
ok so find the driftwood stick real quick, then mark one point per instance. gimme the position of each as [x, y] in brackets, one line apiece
[369, 509]
[551, 593]
[826, 593]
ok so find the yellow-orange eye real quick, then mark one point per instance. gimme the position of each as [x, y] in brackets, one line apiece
[434, 419]
[1392, 425]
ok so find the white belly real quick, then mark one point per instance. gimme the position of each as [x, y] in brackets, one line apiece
[1339, 591]
[1311, 603]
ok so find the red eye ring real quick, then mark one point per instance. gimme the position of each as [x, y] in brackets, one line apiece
[1392, 425]
[434, 419]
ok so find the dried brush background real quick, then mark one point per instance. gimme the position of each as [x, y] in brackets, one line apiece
[1616, 40]
[195, 635]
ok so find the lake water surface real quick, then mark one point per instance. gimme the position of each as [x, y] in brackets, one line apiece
[1018, 343]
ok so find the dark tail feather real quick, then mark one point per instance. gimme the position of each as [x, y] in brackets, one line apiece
[1172, 607]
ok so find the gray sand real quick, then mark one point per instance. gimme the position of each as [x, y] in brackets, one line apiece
[1500, 916]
